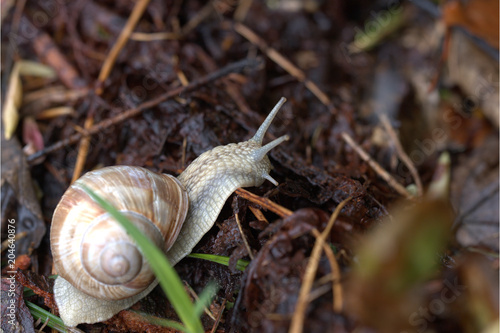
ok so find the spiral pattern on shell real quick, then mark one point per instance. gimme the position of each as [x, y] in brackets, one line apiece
[92, 251]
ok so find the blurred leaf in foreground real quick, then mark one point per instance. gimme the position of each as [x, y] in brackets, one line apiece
[478, 308]
[393, 262]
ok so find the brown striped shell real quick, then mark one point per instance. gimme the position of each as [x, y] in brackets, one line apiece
[92, 251]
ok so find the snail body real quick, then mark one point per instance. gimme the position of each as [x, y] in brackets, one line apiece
[101, 272]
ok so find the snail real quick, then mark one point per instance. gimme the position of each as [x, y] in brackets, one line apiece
[100, 269]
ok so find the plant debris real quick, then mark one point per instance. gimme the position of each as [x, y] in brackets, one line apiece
[379, 95]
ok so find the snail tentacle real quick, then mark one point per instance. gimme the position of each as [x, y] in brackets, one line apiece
[259, 135]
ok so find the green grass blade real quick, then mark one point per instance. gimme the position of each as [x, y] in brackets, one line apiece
[39, 313]
[28, 293]
[223, 260]
[167, 277]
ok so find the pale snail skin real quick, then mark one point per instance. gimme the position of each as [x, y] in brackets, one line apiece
[208, 181]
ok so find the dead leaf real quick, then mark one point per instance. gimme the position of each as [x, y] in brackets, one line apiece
[396, 259]
[16, 316]
[474, 194]
[12, 103]
[480, 17]
[14, 95]
[21, 206]
[32, 136]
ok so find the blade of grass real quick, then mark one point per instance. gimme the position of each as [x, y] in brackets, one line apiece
[167, 277]
[28, 292]
[223, 260]
[39, 313]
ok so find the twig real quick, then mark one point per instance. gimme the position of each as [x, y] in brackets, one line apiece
[44, 98]
[241, 11]
[402, 154]
[136, 14]
[55, 173]
[44, 324]
[83, 150]
[219, 316]
[375, 166]
[321, 288]
[49, 53]
[149, 37]
[235, 67]
[258, 214]
[337, 294]
[264, 203]
[249, 250]
[234, 92]
[302, 302]
[58, 111]
[197, 299]
[200, 16]
[283, 62]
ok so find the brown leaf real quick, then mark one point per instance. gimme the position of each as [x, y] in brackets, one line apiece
[393, 262]
[10, 115]
[477, 293]
[23, 212]
[480, 17]
[16, 316]
[474, 194]
[40, 285]
[274, 277]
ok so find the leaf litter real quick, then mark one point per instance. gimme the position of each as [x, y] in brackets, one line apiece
[416, 264]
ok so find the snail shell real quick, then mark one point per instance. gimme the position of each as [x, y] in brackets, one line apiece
[83, 238]
[93, 252]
